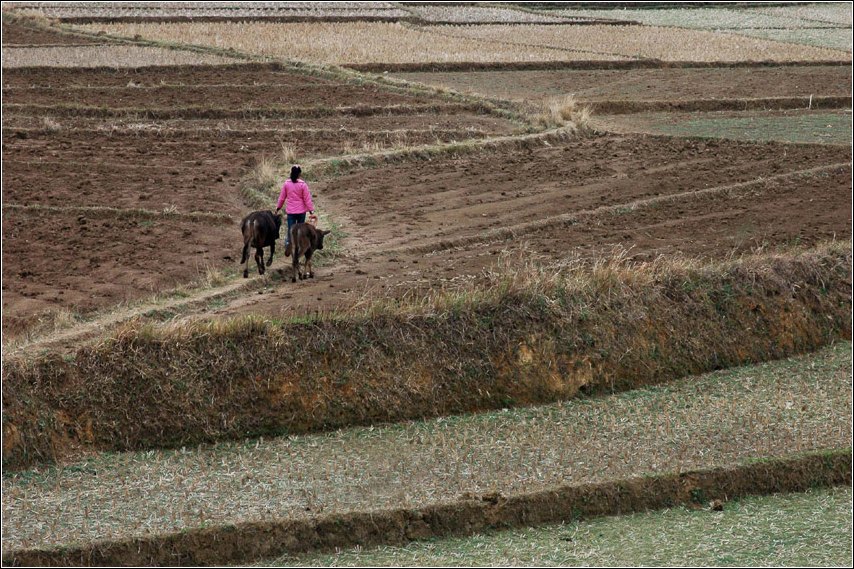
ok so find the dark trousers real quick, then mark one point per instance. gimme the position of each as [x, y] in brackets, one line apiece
[292, 219]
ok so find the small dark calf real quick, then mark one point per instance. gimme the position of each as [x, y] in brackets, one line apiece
[260, 229]
[305, 240]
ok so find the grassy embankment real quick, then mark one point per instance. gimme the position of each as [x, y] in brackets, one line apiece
[534, 335]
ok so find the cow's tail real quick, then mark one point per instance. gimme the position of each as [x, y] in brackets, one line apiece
[245, 255]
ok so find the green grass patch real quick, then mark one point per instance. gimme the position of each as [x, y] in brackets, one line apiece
[804, 529]
[815, 127]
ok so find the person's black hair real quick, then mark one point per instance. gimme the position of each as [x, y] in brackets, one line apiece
[295, 172]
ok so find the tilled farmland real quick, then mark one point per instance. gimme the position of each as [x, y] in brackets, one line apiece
[578, 266]
[151, 175]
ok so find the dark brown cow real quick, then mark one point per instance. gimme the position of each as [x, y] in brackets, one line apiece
[260, 229]
[305, 240]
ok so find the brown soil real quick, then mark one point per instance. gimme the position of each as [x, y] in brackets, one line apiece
[211, 86]
[648, 84]
[55, 259]
[477, 124]
[132, 163]
[232, 74]
[402, 243]
[279, 92]
[18, 34]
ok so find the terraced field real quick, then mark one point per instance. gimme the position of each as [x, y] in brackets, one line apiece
[579, 267]
[176, 141]
[734, 414]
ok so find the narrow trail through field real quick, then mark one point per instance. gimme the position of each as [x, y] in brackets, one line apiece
[715, 420]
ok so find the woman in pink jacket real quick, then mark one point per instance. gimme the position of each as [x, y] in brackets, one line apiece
[297, 199]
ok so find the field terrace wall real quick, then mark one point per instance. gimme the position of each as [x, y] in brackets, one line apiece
[534, 336]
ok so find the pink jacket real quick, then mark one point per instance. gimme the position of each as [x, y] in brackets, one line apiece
[297, 196]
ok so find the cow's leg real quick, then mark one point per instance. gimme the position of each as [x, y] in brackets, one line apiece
[295, 263]
[272, 250]
[244, 260]
[259, 259]
[309, 271]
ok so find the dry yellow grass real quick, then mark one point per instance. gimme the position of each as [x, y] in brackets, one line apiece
[340, 43]
[103, 56]
[668, 44]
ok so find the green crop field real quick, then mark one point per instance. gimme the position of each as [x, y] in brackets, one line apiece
[795, 127]
[811, 529]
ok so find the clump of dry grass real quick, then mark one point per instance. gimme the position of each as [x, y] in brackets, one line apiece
[50, 124]
[534, 334]
[259, 184]
[563, 110]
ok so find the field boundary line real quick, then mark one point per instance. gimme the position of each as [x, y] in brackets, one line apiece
[347, 162]
[122, 213]
[503, 233]
[101, 323]
[467, 515]
[581, 65]
[169, 131]
[736, 104]
[164, 113]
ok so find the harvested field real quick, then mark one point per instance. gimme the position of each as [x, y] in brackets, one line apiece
[717, 18]
[290, 94]
[212, 11]
[482, 15]
[802, 126]
[472, 194]
[827, 25]
[216, 87]
[810, 528]
[341, 129]
[664, 85]
[255, 74]
[834, 38]
[836, 13]
[719, 419]
[345, 43]
[102, 56]
[643, 42]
